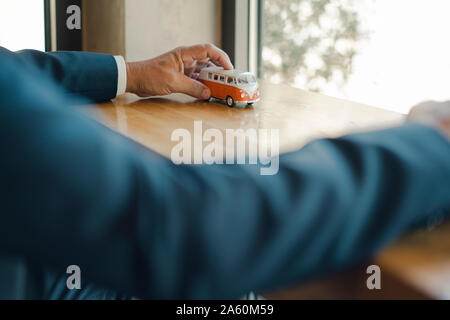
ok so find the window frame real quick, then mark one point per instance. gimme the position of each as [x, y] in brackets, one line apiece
[57, 35]
[244, 48]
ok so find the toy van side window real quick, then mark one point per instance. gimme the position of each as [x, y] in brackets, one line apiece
[222, 78]
[230, 80]
[210, 76]
[216, 77]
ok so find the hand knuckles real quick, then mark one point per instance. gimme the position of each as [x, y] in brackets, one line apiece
[179, 49]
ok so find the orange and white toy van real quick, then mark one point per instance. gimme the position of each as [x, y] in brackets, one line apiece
[231, 86]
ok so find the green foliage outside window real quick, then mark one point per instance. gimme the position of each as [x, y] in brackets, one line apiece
[311, 42]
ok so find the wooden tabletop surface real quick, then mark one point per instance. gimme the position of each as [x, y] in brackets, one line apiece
[417, 266]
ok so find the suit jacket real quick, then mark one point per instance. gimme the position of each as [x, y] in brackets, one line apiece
[74, 192]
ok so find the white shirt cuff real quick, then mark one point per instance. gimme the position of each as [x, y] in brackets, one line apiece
[122, 75]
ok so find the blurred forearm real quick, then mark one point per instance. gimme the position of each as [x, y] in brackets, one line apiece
[75, 192]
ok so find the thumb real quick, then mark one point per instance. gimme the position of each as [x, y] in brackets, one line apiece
[193, 88]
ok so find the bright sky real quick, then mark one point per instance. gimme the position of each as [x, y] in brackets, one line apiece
[22, 24]
[407, 59]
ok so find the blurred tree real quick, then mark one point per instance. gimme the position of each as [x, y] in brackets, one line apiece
[310, 42]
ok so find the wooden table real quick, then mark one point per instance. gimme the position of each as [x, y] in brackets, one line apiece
[417, 266]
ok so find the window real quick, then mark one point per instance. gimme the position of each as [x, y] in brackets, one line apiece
[216, 77]
[209, 75]
[391, 54]
[231, 80]
[40, 24]
[22, 24]
[222, 78]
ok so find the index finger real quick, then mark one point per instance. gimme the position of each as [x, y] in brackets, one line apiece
[208, 51]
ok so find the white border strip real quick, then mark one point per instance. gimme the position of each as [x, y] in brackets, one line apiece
[241, 36]
[253, 37]
[53, 25]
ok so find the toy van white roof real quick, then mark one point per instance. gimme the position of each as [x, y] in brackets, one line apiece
[220, 70]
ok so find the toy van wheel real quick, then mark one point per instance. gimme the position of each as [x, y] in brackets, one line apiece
[230, 101]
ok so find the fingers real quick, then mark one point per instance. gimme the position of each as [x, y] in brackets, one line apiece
[421, 107]
[435, 114]
[430, 108]
[207, 51]
[199, 67]
[194, 59]
[203, 65]
[191, 71]
[193, 88]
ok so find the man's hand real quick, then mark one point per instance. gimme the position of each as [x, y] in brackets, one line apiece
[175, 71]
[435, 114]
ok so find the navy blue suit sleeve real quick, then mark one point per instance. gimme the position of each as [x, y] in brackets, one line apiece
[74, 192]
[92, 75]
